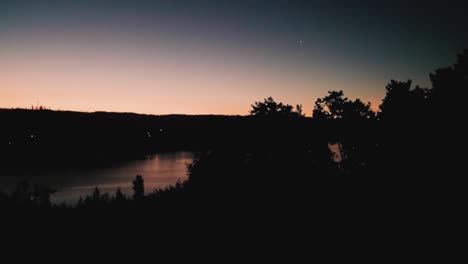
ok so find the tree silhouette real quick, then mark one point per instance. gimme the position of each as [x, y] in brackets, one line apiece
[404, 103]
[299, 110]
[105, 198]
[284, 161]
[397, 101]
[448, 85]
[80, 203]
[42, 194]
[96, 194]
[119, 196]
[331, 106]
[270, 108]
[357, 110]
[336, 106]
[138, 188]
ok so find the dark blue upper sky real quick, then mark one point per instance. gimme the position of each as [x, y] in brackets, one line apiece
[233, 52]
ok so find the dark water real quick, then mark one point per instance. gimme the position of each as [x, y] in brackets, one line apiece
[158, 170]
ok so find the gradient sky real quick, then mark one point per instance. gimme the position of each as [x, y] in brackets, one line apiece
[218, 57]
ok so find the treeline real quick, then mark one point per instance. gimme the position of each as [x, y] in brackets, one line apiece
[401, 157]
[278, 159]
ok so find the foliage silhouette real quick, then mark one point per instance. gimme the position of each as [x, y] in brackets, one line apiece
[402, 103]
[119, 196]
[271, 109]
[336, 106]
[276, 160]
[138, 188]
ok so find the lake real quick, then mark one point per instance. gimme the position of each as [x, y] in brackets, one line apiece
[158, 170]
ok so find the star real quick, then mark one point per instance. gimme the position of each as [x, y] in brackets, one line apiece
[301, 42]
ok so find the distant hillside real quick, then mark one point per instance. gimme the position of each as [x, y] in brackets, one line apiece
[50, 137]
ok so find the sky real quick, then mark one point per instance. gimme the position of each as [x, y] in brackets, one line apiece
[218, 57]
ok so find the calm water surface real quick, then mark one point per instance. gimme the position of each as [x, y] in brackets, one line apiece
[158, 170]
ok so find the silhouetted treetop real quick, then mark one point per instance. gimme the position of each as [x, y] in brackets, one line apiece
[260, 165]
[402, 102]
[336, 106]
[138, 188]
[449, 83]
[96, 194]
[119, 196]
[270, 108]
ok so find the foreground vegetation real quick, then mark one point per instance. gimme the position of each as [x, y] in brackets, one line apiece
[277, 159]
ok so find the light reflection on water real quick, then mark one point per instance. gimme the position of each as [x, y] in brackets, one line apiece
[159, 170]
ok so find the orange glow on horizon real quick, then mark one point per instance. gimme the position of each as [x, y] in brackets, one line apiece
[164, 82]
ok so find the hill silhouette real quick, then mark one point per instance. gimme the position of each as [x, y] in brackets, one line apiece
[273, 161]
